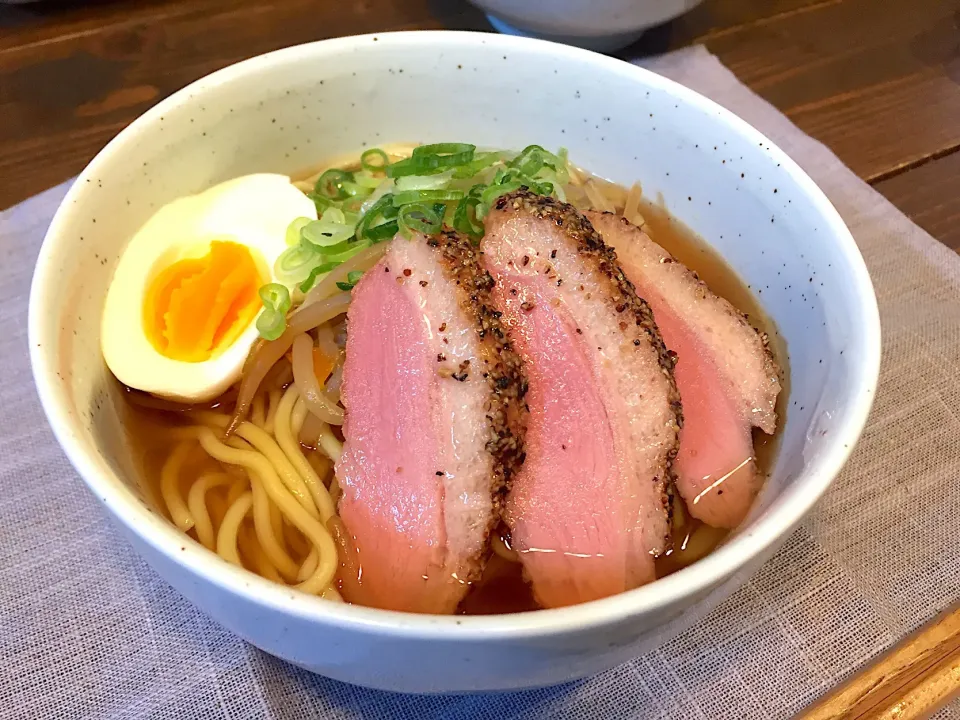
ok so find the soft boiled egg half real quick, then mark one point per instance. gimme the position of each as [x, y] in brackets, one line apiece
[180, 313]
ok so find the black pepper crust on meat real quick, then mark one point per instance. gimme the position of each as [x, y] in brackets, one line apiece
[591, 246]
[502, 367]
[593, 250]
[771, 367]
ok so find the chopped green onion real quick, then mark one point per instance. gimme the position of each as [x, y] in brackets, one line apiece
[295, 263]
[465, 218]
[529, 161]
[333, 227]
[379, 222]
[374, 160]
[330, 262]
[315, 273]
[334, 215]
[321, 202]
[330, 184]
[481, 161]
[345, 252]
[355, 190]
[401, 168]
[447, 213]
[549, 178]
[367, 180]
[418, 218]
[534, 157]
[386, 187]
[444, 154]
[425, 182]
[383, 231]
[328, 251]
[492, 192]
[432, 159]
[515, 179]
[418, 196]
[294, 228]
[353, 277]
[275, 296]
[273, 319]
[410, 166]
[320, 235]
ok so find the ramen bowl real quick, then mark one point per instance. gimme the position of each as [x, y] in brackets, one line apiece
[290, 109]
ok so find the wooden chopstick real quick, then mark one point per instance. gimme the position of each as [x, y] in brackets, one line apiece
[911, 681]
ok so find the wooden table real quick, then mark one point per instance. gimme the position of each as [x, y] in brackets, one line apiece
[876, 80]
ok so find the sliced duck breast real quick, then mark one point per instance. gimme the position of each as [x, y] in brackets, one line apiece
[590, 507]
[433, 432]
[726, 375]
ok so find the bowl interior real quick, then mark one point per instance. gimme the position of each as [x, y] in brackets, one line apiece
[295, 108]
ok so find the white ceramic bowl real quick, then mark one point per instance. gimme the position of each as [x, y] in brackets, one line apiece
[602, 25]
[289, 109]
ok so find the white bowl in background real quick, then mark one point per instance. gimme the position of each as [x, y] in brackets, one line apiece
[602, 25]
[292, 108]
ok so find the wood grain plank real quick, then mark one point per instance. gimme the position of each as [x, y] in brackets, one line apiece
[52, 20]
[878, 87]
[70, 76]
[878, 82]
[41, 22]
[910, 682]
[77, 91]
[930, 196]
[55, 21]
[714, 17]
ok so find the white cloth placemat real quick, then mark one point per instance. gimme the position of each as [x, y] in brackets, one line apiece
[88, 631]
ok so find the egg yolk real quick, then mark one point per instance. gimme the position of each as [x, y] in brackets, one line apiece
[197, 307]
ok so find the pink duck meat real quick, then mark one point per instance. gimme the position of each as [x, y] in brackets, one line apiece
[590, 507]
[726, 375]
[434, 424]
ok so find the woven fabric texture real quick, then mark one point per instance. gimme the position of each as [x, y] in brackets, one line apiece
[88, 631]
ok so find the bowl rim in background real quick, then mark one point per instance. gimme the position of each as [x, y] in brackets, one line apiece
[764, 531]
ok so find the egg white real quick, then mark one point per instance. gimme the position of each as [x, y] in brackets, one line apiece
[253, 210]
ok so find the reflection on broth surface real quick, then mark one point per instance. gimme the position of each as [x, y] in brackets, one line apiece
[431, 455]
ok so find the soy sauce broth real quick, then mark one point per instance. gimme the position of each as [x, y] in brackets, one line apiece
[502, 589]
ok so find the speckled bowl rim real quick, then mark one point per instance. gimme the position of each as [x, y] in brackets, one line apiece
[774, 525]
